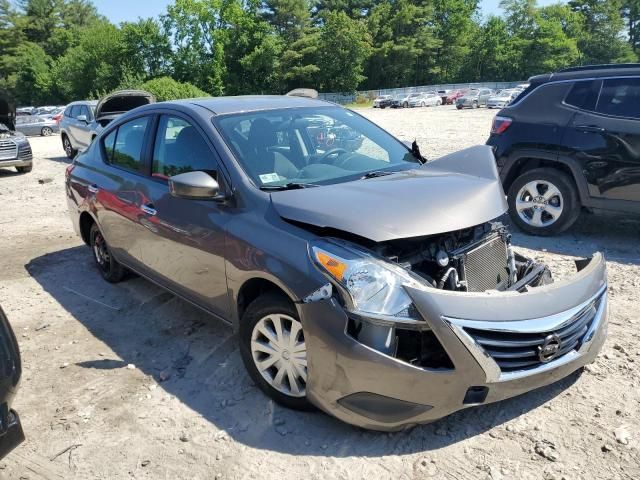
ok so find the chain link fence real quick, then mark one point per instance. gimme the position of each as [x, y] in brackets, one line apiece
[343, 98]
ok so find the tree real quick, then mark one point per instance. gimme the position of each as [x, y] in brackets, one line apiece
[343, 48]
[147, 47]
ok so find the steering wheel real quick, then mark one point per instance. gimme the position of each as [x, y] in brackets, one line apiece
[329, 153]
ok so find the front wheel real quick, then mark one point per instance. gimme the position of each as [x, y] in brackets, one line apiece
[26, 169]
[459, 107]
[110, 269]
[543, 201]
[405, 105]
[438, 103]
[274, 352]
[475, 105]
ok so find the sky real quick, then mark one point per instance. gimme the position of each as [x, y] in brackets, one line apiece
[129, 10]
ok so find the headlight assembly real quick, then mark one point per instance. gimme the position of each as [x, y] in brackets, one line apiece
[373, 286]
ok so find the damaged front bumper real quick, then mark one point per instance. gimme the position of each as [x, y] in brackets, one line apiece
[500, 344]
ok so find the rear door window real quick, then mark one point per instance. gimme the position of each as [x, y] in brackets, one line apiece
[620, 97]
[180, 148]
[584, 95]
[123, 146]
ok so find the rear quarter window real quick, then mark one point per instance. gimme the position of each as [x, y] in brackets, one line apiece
[584, 95]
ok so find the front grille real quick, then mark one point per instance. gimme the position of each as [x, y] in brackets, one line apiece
[485, 267]
[8, 149]
[25, 153]
[514, 351]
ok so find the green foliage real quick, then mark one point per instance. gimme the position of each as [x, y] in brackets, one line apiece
[166, 88]
[61, 50]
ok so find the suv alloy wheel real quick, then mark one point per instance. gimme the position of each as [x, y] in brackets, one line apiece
[543, 201]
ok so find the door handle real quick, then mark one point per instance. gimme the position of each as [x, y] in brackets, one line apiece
[148, 209]
[590, 128]
[93, 188]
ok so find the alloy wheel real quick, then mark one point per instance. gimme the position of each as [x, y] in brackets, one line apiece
[280, 353]
[46, 131]
[101, 252]
[539, 203]
[67, 147]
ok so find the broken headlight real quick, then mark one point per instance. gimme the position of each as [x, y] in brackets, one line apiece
[374, 287]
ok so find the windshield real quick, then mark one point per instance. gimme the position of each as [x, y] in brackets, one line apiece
[317, 145]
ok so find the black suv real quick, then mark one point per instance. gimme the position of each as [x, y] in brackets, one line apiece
[570, 141]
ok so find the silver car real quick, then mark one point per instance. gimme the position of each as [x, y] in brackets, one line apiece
[428, 99]
[15, 150]
[474, 98]
[75, 126]
[32, 125]
[366, 282]
[502, 98]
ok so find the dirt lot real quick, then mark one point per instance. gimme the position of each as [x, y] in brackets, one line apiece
[141, 385]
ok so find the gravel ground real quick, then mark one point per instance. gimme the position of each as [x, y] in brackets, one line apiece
[141, 385]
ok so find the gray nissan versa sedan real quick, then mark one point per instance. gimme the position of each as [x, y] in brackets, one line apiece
[360, 279]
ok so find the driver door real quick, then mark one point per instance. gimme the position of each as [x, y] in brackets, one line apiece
[185, 238]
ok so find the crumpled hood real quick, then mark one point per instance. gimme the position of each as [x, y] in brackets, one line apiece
[451, 193]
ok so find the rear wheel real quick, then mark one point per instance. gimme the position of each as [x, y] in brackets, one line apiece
[273, 349]
[46, 131]
[110, 269]
[68, 148]
[543, 201]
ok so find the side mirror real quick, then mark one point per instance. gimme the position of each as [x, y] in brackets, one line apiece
[82, 118]
[196, 186]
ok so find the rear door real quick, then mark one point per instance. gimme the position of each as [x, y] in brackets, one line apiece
[185, 241]
[120, 192]
[83, 130]
[605, 136]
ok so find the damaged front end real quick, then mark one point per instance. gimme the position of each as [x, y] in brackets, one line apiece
[458, 319]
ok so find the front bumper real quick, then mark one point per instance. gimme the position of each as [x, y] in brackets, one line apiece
[362, 386]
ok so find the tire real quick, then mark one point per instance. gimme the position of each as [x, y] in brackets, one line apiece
[68, 148]
[260, 316]
[26, 169]
[422, 104]
[110, 269]
[46, 131]
[557, 201]
[438, 103]
[405, 105]
[475, 104]
[459, 107]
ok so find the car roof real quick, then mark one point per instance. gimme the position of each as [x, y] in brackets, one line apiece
[589, 71]
[250, 103]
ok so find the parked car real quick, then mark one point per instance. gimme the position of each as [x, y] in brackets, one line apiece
[452, 96]
[383, 101]
[11, 433]
[15, 150]
[75, 126]
[430, 99]
[83, 121]
[403, 101]
[36, 125]
[502, 98]
[570, 143]
[474, 98]
[348, 275]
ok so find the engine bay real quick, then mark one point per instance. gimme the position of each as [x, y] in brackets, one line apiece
[474, 259]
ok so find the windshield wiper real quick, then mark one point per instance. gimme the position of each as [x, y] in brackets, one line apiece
[287, 186]
[374, 174]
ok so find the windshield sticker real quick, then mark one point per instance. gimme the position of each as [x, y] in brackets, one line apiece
[269, 177]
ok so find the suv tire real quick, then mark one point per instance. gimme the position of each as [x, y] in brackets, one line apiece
[543, 201]
[260, 315]
[68, 148]
[110, 269]
[26, 169]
